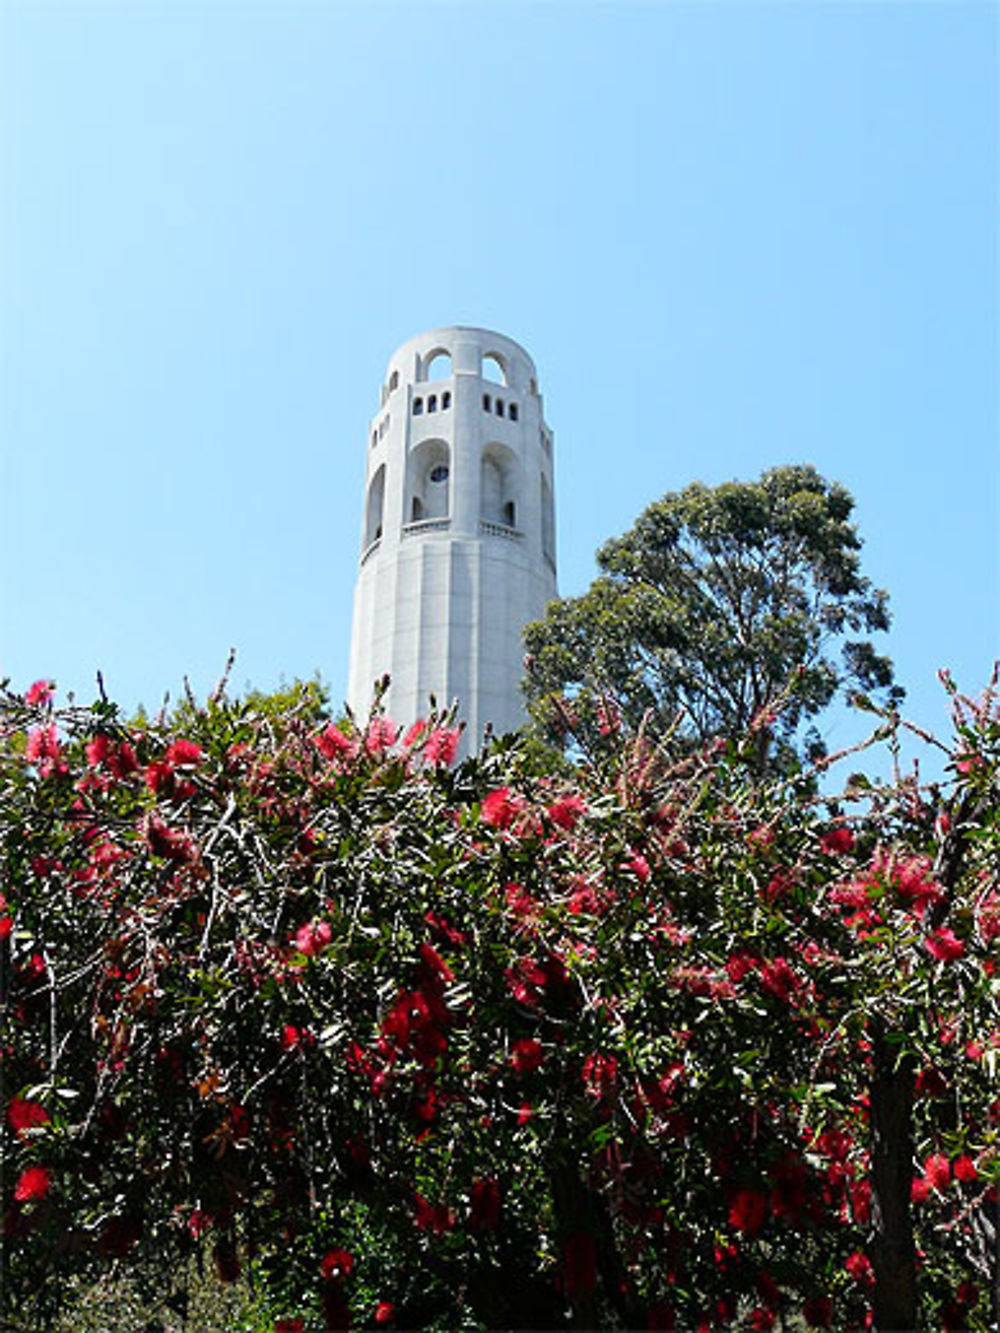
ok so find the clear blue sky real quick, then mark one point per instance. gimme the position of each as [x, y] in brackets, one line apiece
[731, 235]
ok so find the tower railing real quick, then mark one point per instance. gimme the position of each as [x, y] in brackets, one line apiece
[426, 525]
[490, 529]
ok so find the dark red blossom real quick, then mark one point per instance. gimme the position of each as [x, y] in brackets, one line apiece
[337, 1264]
[499, 808]
[567, 810]
[937, 1171]
[385, 1313]
[859, 1266]
[527, 1055]
[430, 1217]
[748, 1211]
[33, 1183]
[184, 753]
[25, 1115]
[836, 841]
[600, 1076]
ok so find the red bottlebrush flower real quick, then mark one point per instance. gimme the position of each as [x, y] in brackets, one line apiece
[748, 1211]
[836, 841]
[525, 1114]
[39, 693]
[579, 1257]
[964, 1169]
[337, 1265]
[600, 1076]
[6, 926]
[484, 1205]
[97, 750]
[859, 1267]
[227, 1261]
[761, 1320]
[445, 931]
[198, 1223]
[24, 1115]
[33, 1183]
[739, 964]
[567, 810]
[937, 1171]
[944, 945]
[497, 808]
[385, 1313]
[332, 743]
[442, 746]
[527, 1055]
[184, 753]
[313, 937]
[160, 777]
[291, 1037]
[919, 1189]
[414, 733]
[762, 836]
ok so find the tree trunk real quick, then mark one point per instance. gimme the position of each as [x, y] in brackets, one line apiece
[893, 1251]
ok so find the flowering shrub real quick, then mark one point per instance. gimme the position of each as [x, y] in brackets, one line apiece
[669, 1043]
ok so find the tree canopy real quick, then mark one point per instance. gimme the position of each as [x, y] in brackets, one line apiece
[715, 603]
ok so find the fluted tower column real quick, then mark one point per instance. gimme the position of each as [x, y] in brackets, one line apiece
[458, 530]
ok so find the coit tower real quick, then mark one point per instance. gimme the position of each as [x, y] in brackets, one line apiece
[458, 531]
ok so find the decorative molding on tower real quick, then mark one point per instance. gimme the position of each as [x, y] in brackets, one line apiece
[458, 530]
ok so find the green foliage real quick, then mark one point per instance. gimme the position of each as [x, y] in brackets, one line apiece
[718, 602]
[491, 1046]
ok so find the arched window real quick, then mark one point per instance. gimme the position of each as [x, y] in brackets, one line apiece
[374, 507]
[438, 365]
[428, 484]
[432, 403]
[445, 401]
[499, 407]
[499, 486]
[486, 402]
[512, 411]
[418, 406]
[494, 368]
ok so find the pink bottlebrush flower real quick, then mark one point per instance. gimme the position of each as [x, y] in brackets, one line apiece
[414, 733]
[33, 1183]
[381, 736]
[331, 743]
[39, 693]
[435, 963]
[442, 745]
[42, 744]
[639, 867]
[313, 937]
[944, 945]
[836, 841]
[988, 916]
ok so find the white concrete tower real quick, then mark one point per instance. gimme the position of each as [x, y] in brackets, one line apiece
[458, 534]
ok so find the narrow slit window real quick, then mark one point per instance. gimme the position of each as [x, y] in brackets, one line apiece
[418, 406]
[512, 411]
[432, 403]
[499, 407]
[445, 401]
[486, 402]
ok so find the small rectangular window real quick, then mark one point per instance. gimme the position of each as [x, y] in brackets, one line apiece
[445, 401]
[418, 406]
[513, 412]
[499, 407]
[486, 402]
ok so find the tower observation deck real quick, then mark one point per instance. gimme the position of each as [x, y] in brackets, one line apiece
[458, 530]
